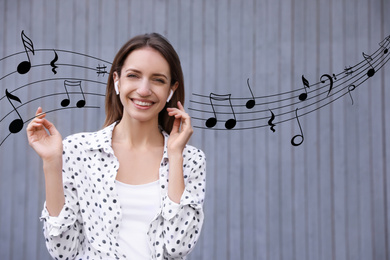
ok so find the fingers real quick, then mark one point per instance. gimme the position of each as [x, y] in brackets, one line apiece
[181, 117]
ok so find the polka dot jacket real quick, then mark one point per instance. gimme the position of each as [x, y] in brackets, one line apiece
[89, 223]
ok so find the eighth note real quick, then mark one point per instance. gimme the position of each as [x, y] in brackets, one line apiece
[300, 128]
[303, 96]
[25, 66]
[66, 101]
[17, 124]
[251, 102]
[370, 72]
[212, 121]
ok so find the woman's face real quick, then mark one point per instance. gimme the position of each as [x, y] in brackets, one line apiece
[144, 84]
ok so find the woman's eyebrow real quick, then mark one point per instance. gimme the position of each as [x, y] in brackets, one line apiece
[154, 74]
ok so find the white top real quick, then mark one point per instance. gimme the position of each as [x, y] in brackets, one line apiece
[139, 204]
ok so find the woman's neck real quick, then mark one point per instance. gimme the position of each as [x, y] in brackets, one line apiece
[137, 134]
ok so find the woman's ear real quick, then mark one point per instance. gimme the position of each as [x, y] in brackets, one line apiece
[116, 82]
[173, 88]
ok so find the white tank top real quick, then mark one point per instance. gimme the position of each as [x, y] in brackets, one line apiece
[139, 204]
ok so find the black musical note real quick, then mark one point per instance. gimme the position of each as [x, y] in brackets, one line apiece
[25, 66]
[17, 124]
[330, 82]
[52, 63]
[348, 71]
[299, 135]
[251, 102]
[382, 44]
[101, 69]
[305, 82]
[272, 125]
[66, 101]
[212, 121]
[370, 72]
[351, 88]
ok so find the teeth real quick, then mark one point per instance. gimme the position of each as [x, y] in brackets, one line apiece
[142, 103]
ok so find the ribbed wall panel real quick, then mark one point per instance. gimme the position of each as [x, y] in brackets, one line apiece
[266, 199]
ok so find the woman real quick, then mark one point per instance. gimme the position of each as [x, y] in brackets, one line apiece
[107, 193]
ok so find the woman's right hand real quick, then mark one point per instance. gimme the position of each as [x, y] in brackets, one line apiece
[48, 145]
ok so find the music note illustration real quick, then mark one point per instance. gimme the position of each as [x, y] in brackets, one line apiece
[330, 82]
[298, 135]
[348, 71]
[351, 88]
[52, 63]
[272, 125]
[25, 66]
[251, 102]
[17, 124]
[382, 44]
[66, 101]
[370, 72]
[101, 70]
[305, 82]
[212, 121]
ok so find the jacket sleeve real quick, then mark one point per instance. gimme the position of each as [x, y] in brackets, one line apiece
[183, 222]
[63, 233]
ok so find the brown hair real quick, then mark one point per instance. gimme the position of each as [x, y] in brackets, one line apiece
[114, 107]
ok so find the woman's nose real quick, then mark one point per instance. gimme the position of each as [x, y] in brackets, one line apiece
[144, 89]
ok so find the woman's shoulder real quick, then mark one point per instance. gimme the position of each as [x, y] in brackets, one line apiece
[89, 139]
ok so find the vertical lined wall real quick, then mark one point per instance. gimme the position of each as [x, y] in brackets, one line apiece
[266, 199]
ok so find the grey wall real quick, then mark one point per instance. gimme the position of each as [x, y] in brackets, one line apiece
[266, 199]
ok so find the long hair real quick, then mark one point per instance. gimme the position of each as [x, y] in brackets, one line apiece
[113, 105]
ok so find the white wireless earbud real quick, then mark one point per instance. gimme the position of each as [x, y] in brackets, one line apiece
[170, 96]
[116, 87]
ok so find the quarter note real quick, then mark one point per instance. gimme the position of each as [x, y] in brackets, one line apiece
[17, 124]
[330, 82]
[212, 121]
[66, 101]
[370, 72]
[52, 63]
[305, 82]
[299, 135]
[251, 102]
[382, 44]
[25, 66]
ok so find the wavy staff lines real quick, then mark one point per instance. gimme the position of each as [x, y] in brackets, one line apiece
[348, 83]
[50, 95]
[360, 68]
[57, 64]
[54, 79]
[51, 50]
[47, 112]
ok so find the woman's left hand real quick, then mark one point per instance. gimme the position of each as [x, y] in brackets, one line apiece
[181, 130]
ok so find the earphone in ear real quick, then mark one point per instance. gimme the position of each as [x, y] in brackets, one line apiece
[170, 96]
[116, 84]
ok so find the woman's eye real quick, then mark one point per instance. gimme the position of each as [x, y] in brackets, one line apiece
[160, 81]
[132, 76]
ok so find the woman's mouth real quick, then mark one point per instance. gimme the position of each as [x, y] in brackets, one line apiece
[142, 103]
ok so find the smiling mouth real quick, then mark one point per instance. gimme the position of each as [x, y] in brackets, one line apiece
[143, 103]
